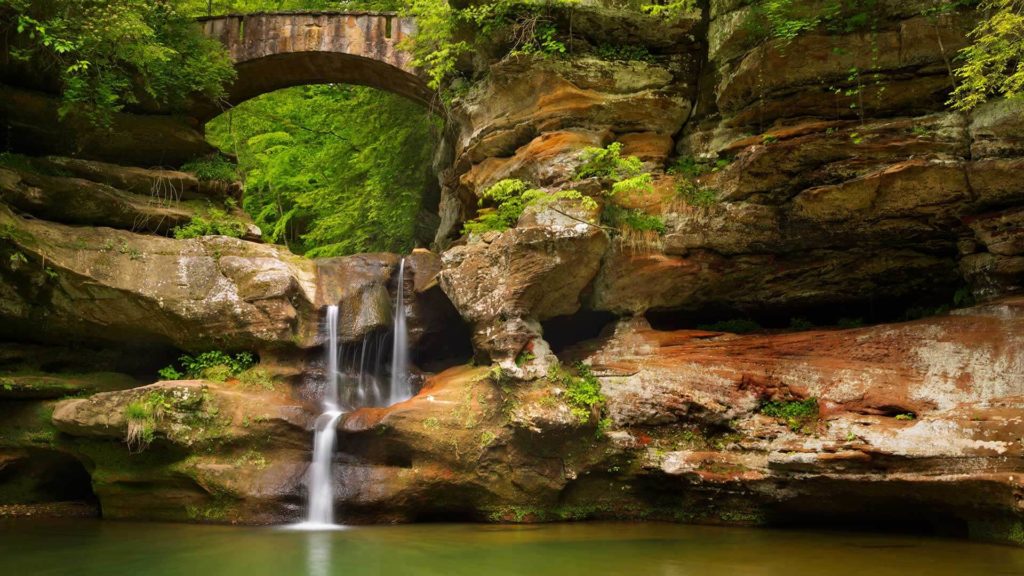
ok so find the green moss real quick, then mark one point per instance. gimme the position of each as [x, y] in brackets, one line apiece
[518, 513]
[796, 414]
[256, 378]
[486, 438]
[251, 458]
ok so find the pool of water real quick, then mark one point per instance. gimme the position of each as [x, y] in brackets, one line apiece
[93, 547]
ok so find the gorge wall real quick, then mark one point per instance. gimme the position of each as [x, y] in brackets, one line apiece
[834, 182]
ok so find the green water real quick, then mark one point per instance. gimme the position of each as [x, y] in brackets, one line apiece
[87, 548]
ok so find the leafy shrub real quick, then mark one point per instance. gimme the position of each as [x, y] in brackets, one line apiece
[671, 11]
[170, 373]
[109, 53]
[582, 390]
[213, 365]
[608, 163]
[510, 198]
[256, 378]
[216, 223]
[696, 195]
[213, 167]
[794, 413]
[630, 218]
[691, 167]
[639, 184]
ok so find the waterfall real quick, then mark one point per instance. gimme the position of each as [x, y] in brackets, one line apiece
[321, 489]
[353, 379]
[401, 389]
[319, 482]
[331, 386]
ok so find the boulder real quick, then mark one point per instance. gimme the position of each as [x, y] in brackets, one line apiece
[76, 283]
[503, 283]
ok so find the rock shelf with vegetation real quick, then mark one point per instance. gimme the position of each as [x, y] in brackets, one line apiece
[730, 262]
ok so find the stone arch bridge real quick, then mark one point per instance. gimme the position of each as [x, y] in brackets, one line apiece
[278, 50]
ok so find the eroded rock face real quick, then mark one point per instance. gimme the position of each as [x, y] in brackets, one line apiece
[504, 283]
[30, 118]
[930, 408]
[206, 293]
[208, 451]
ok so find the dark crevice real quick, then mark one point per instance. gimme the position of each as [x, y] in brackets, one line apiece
[795, 317]
[562, 332]
[45, 476]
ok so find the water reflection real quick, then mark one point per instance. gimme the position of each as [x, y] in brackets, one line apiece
[318, 553]
[107, 548]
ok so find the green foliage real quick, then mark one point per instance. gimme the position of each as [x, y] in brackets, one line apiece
[785, 20]
[524, 358]
[696, 195]
[216, 222]
[906, 416]
[690, 167]
[141, 416]
[608, 164]
[213, 365]
[104, 52]
[639, 184]
[213, 167]
[624, 52]
[256, 378]
[796, 414]
[673, 10]
[434, 47]
[850, 322]
[509, 202]
[509, 198]
[630, 218]
[170, 373]
[993, 64]
[331, 170]
[735, 326]
[445, 34]
[582, 390]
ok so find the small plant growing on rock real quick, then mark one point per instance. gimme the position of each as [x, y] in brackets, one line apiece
[141, 416]
[906, 416]
[217, 222]
[695, 195]
[214, 365]
[608, 163]
[510, 197]
[213, 167]
[582, 390]
[796, 414]
[256, 378]
[170, 373]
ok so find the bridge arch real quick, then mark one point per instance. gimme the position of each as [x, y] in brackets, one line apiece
[279, 50]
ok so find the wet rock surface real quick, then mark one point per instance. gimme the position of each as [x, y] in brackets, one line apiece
[928, 408]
